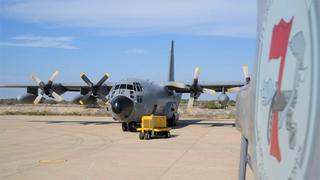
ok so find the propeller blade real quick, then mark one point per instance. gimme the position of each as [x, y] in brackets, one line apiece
[178, 85]
[209, 91]
[196, 76]
[86, 79]
[56, 96]
[36, 79]
[85, 98]
[54, 76]
[234, 90]
[103, 98]
[190, 104]
[245, 70]
[196, 73]
[103, 79]
[81, 102]
[38, 99]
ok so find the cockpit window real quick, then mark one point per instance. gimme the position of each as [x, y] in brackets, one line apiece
[137, 87]
[117, 87]
[130, 87]
[123, 86]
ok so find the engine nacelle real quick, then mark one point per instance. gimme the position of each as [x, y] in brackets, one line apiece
[27, 98]
[223, 99]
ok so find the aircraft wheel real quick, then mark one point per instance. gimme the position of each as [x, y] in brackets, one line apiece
[168, 135]
[132, 127]
[141, 136]
[124, 127]
[147, 135]
[172, 121]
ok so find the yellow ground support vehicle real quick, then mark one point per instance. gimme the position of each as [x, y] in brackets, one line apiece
[154, 126]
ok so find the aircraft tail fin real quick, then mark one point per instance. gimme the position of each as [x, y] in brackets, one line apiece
[171, 65]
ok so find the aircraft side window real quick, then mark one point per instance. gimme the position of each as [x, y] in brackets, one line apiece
[123, 86]
[139, 99]
[138, 88]
[130, 87]
[117, 87]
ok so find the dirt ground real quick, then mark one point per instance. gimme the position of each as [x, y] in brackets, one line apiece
[82, 147]
[78, 110]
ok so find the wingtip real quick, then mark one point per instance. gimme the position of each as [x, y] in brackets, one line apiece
[81, 102]
[81, 74]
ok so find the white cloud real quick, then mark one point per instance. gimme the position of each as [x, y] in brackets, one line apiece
[200, 17]
[40, 41]
[135, 51]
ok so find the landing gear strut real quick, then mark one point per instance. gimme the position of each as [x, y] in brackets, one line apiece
[243, 158]
[131, 126]
[172, 121]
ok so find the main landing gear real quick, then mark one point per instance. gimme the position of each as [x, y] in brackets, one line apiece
[172, 121]
[131, 126]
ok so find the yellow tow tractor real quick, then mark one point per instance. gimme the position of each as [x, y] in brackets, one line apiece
[153, 126]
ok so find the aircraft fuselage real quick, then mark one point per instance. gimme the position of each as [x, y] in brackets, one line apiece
[131, 99]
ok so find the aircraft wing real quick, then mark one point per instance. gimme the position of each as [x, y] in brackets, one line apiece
[216, 86]
[220, 86]
[78, 87]
[65, 86]
[19, 86]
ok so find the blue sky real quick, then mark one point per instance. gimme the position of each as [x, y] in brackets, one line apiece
[125, 38]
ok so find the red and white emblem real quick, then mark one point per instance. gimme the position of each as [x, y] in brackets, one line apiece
[285, 89]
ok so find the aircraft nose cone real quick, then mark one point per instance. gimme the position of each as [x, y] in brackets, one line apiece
[122, 106]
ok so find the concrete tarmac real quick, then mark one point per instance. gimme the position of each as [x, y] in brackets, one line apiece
[94, 148]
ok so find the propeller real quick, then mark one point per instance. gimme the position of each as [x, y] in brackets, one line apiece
[245, 71]
[196, 90]
[46, 88]
[94, 89]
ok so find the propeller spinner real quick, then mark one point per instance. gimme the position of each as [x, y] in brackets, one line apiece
[196, 90]
[46, 88]
[94, 89]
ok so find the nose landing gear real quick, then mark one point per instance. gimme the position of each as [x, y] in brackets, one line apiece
[124, 126]
[131, 126]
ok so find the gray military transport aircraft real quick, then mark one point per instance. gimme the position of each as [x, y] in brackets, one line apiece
[130, 99]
